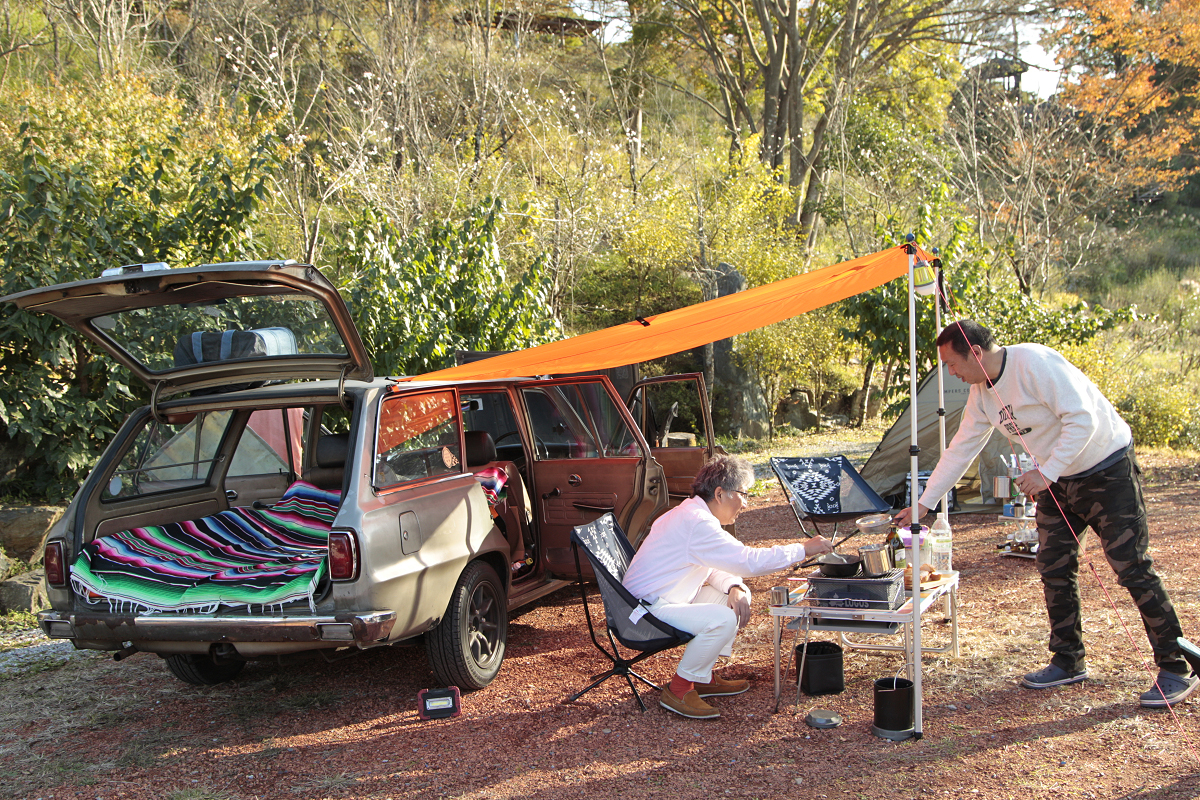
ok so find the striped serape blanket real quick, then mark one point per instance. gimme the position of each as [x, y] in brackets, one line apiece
[240, 557]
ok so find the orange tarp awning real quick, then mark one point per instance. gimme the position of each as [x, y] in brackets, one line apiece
[685, 328]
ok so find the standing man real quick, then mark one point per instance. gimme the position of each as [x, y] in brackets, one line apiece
[689, 569]
[1085, 474]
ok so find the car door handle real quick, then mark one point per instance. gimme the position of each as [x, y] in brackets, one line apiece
[574, 480]
[230, 495]
[555, 492]
[587, 507]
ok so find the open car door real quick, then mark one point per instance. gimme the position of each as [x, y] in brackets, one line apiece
[587, 459]
[673, 415]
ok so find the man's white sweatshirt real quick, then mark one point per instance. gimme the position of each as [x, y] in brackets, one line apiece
[1043, 402]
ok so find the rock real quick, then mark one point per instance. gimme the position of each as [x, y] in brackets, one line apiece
[797, 412]
[26, 592]
[23, 529]
[6, 565]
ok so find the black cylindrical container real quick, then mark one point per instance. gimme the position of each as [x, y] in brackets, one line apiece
[822, 673]
[893, 708]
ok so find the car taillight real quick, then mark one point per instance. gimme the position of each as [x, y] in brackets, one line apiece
[55, 563]
[343, 555]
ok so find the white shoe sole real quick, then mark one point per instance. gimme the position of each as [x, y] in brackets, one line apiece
[685, 715]
[1174, 700]
[723, 694]
[1065, 682]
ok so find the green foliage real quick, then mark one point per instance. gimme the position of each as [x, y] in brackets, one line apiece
[58, 224]
[1163, 414]
[14, 621]
[1161, 406]
[879, 318]
[419, 298]
[773, 361]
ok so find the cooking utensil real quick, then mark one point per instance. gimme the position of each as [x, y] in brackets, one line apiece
[874, 524]
[834, 544]
[837, 565]
[876, 559]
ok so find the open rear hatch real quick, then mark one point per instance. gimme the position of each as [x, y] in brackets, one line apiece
[214, 327]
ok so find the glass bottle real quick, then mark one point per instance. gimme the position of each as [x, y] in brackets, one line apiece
[899, 559]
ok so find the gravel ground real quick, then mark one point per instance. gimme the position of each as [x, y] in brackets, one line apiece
[82, 726]
[29, 650]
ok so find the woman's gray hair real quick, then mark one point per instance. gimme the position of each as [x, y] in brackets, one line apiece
[731, 473]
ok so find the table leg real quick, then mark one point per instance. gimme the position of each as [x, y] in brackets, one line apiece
[954, 620]
[775, 636]
[803, 659]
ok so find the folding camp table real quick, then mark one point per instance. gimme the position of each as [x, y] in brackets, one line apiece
[806, 615]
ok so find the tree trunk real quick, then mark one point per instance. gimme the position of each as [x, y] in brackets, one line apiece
[865, 399]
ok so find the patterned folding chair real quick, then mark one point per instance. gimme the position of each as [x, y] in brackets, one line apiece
[826, 490]
[627, 618]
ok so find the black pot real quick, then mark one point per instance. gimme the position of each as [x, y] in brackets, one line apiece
[836, 565]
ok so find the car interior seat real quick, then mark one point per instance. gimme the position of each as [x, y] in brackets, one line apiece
[330, 469]
[512, 513]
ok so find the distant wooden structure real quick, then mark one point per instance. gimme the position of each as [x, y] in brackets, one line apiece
[1002, 69]
[521, 21]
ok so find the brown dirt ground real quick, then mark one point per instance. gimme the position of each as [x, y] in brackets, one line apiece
[92, 728]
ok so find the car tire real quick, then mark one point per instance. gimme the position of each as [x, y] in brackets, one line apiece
[202, 670]
[467, 647]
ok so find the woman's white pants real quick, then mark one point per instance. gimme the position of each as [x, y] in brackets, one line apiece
[710, 619]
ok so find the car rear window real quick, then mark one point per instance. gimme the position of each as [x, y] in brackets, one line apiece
[169, 455]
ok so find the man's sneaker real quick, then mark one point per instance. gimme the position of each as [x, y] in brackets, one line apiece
[718, 687]
[1169, 689]
[1051, 675]
[691, 706]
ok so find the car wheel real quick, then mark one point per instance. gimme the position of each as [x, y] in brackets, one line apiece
[466, 648]
[202, 670]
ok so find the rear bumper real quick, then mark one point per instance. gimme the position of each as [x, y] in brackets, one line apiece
[94, 630]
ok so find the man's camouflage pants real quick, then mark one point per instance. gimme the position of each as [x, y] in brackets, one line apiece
[1110, 501]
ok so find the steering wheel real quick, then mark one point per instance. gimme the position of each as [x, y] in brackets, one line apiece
[504, 436]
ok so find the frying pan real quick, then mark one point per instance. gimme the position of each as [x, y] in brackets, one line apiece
[835, 544]
[837, 565]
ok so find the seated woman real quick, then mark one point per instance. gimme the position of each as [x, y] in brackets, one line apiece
[689, 569]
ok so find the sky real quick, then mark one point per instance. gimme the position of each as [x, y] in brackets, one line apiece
[1043, 74]
[1041, 78]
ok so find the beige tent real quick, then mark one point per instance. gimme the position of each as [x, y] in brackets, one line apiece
[887, 468]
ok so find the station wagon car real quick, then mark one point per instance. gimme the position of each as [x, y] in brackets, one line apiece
[276, 499]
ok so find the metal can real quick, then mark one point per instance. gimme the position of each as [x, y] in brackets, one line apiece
[779, 595]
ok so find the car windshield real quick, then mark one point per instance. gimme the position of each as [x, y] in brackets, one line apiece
[236, 328]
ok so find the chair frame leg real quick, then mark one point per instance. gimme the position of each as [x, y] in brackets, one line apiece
[620, 666]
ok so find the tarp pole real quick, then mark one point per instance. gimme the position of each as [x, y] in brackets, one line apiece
[937, 327]
[914, 451]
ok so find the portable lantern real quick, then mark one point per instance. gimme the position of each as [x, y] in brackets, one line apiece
[438, 703]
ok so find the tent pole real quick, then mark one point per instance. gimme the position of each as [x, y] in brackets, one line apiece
[914, 451]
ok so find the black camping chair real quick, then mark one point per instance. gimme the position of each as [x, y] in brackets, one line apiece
[609, 553]
[826, 490]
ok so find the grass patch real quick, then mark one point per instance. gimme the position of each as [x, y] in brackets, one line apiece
[16, 621]
[149, 750]
[197, 793]
[857, 444]
[325, 783]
